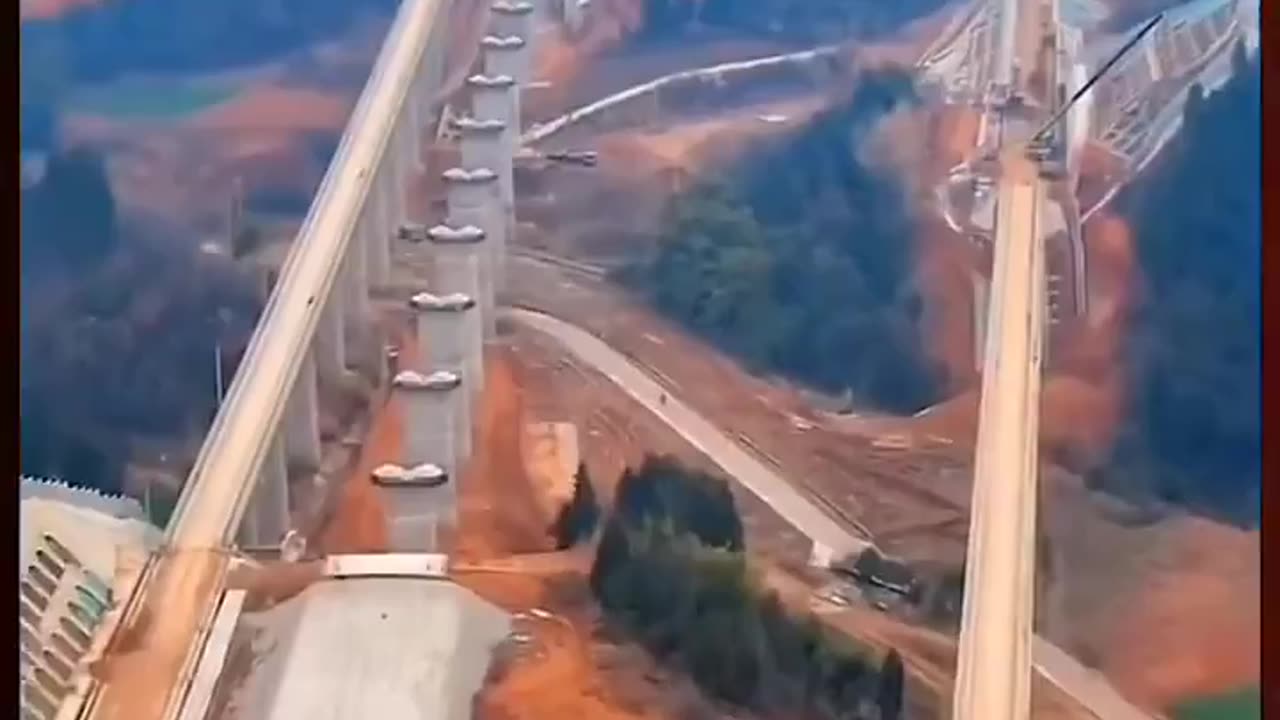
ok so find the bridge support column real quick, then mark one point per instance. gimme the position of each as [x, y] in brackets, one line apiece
[375, 229]
[431, 74]
[473, 199]
[571, 11]
[414, 114]
[398, 163]
[267, 519]
[419, 501]
[302, 424]
[494, 97]
[981, 304]
[459, 253]
[507, 17]
[330, 343]
[506, 55]
[430, 412]
[482, 147]
[445, 344]
[355, 289]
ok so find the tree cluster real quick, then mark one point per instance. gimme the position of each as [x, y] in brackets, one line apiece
[798, 259]
[1193, 432]
[578, 518]
[670, 570]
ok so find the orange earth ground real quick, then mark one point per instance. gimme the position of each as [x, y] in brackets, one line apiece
[570, 675]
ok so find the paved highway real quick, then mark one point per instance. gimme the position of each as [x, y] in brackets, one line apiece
[1086, 686]
[782, 496]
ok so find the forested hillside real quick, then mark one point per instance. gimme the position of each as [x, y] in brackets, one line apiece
[118, 329]
[807, 20]
[1193, 433]
[798, 259]
[101, 41]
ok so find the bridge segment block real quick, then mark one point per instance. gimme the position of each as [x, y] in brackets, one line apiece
[445, 344]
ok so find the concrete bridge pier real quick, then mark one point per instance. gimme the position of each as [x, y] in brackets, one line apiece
[430, 409]
[508, 55]
[266, 520]
[494, 96]
[981, 303]
[571, 14]
[415, 114]
[355, 292]
[374, 229]
[472, 199]
[330, 344]
[302, 418]
[398, 161]
[460, 252]
[508, 17]
[445, 344]
[419, 500]
[482, 147]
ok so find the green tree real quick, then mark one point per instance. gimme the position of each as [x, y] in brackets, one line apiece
[889, 694]
[577, 519]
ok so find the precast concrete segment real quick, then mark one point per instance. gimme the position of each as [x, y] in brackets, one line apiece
[472, 198]
[419, 499]
[430, 403]
[444, 344]
[994, 658]
[302, 424]
[494, 96]
[511, 18]
[459, 256]
[482, 147]
[507, 55]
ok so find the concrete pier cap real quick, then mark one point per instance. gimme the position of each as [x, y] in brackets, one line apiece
[422, 475]
[470, 187]
[446, 235]
[438, 381]
[506, 54]
[453, 302]
[495, 81]
[470, 125]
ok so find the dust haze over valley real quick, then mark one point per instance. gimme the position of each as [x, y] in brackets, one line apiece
[799, 259]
